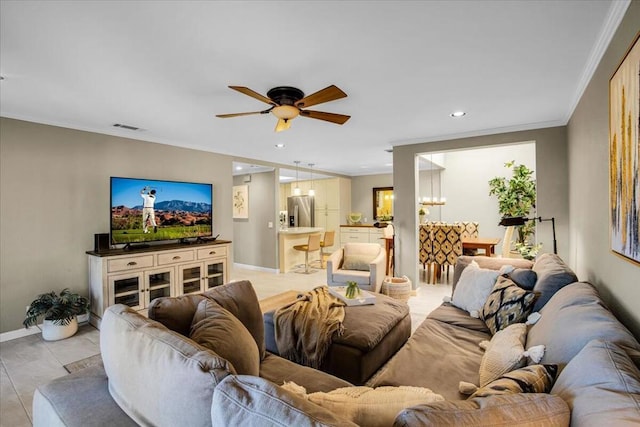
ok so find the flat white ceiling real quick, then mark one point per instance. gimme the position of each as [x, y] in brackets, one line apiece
[164, 66]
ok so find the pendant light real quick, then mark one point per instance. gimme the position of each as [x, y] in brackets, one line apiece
[296, 190]
[312, 192]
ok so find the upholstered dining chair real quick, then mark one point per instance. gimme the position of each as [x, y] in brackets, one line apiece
[447, 247]
[313, 244]
[469, 230]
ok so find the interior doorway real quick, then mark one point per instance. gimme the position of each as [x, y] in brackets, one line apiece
[453, 186]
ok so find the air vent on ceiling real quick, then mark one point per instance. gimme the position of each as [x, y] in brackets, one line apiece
[128, 127]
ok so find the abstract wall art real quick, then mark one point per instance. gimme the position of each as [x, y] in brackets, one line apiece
[624, 150]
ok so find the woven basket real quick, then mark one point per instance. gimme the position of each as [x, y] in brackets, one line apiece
[397, 287]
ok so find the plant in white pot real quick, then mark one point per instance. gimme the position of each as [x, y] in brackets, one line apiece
[59, 311]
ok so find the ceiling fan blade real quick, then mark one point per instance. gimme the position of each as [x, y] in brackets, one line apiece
[226, 116]
[253, 94]
[283, 125]
[328, 117]
[330, 93]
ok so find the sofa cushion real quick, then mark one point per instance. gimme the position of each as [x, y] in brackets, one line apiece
[601, 385]
[373, 407]
[508, 303]
[217, 329]
[437, 356]
[504, 353]
[530, 379]
[553, 274]
[473, 288]
[515, 410]
[65, 400]
[145, 362]
[279, 370]
[455, 316]
[493, 263]
[239, 298]
[573, 317]
[252, 401]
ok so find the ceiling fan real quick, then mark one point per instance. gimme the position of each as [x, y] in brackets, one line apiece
[287, 103]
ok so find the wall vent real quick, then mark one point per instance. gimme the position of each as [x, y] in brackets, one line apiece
[128, 127]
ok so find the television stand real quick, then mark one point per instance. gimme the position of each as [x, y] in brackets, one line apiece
[133, 247]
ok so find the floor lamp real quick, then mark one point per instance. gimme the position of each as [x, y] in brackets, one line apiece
[509, 221]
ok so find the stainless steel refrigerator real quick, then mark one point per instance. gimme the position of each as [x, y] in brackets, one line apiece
[301, 211]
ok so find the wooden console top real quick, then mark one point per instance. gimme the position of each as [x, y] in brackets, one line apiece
[155, 248]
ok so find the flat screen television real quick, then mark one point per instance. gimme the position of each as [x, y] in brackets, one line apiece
[146, 210]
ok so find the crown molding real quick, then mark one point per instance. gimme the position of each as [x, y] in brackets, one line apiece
[612, 21]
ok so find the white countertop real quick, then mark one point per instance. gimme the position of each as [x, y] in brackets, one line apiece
[301, 230]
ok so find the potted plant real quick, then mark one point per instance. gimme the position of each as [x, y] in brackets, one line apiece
[421, 214]
[352, 291]
[516, 197]
[59, 311]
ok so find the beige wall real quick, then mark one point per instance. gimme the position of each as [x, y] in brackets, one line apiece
[552, 182]
[54, 196]
[362, 193]
[588, 142]
[254, 242]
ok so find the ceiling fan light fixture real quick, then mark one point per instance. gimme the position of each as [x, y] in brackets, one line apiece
[285, 112]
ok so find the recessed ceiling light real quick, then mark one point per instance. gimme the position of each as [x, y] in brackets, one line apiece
[388, 164]
[238, 168]
[458, 114]
[279, 145]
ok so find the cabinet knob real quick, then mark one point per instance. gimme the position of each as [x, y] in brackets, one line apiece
[131, 263]
[176, 257]
[212, 253]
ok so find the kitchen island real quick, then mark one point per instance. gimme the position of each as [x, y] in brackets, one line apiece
[290, 237]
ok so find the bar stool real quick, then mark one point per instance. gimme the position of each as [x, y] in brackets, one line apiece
[326, 242]
[313, 244]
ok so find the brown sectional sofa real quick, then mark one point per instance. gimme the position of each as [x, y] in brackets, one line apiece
[158, 376]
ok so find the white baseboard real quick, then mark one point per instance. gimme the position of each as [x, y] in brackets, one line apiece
[257, 268]
[19, 333]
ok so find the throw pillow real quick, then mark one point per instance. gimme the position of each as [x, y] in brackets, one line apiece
[473, 288]
[368, 406]
[507, 410]
[524, 277]
[357, 262]
[504, 353]
[553, 275]
[530, 379]
[243, 400]
[507, 304]
[217, 329]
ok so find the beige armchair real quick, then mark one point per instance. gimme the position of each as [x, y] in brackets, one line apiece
[363, 263]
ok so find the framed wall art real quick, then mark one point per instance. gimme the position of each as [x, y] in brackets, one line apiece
[240, 202]
[624, 126]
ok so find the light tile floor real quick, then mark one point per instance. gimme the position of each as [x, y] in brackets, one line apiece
[30, 361]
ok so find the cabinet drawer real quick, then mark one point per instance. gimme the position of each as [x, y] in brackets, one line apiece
[174, 257]
[354, 237]
[129, 263]
[362, 230]
[214, 252]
